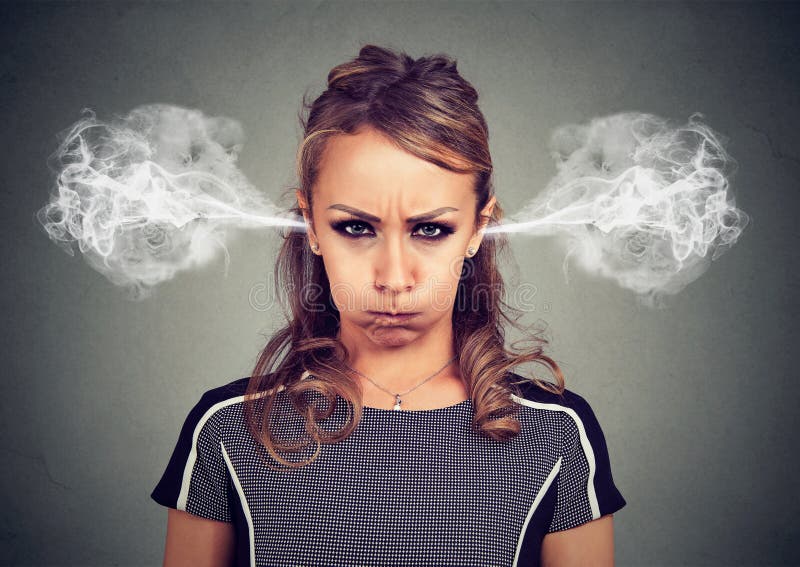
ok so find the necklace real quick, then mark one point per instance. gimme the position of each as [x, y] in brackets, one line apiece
[399, 401]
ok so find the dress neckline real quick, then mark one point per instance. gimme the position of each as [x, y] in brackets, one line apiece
[462, 403]
[371, 409]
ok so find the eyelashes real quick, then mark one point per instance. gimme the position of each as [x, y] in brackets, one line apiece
[444, 229]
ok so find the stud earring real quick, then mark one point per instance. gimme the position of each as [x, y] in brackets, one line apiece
[315, 247]
[470, 251]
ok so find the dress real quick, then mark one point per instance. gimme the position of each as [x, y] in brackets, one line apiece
[405, 488]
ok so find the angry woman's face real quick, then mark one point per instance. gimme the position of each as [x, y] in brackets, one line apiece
[393, 231]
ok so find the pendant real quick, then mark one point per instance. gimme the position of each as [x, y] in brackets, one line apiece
[397, 403]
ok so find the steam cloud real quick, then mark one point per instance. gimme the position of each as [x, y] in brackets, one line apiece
[153, 193]
[638, 201]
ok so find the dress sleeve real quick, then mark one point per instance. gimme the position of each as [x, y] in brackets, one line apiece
[586, 488]
[196, 479]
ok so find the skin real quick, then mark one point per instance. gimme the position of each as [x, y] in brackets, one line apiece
[193, 541]
[391, 266]
[588, 545]
[394, 264]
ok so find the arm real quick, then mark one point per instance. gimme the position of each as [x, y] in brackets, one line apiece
[589, 545]
[196, 489]
[193, 541]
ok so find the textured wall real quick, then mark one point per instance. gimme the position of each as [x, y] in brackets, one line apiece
[698, 401]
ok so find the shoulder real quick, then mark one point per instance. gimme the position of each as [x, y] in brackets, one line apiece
[585, 486]
[527, 393]
[568, 405]
[216, 399]
[232, 390]
[197, 460]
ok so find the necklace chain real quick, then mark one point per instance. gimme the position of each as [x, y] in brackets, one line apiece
[396, 395]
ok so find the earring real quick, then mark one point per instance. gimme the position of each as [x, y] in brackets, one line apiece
[315, 247]
[470, 251]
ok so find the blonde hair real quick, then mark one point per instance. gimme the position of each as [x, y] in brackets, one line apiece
[429, 110]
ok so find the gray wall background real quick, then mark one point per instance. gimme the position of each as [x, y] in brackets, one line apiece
[698, 402]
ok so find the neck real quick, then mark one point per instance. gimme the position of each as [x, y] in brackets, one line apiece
[399, 368]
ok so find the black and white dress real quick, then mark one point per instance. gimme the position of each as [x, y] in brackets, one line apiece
[405, 488]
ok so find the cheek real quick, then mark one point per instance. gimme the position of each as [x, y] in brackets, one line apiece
[347, 280]
[442, 284]
[448, 267]
[345, 269]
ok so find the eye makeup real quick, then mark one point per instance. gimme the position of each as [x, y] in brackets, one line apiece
[445, 229]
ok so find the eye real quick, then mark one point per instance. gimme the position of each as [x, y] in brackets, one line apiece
[358, 229]
[444, 231]
[351, 228]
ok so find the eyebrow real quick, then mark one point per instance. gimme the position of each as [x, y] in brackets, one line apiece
[372, 218]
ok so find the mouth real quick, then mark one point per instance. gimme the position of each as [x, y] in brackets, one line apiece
[393, 317]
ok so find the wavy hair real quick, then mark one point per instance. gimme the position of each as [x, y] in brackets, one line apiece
[429, 110]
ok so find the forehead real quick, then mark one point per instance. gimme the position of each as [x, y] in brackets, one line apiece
[368, 167]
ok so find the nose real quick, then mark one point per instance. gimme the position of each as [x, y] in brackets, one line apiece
[394, 271]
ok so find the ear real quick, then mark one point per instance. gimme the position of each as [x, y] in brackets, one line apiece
[485, 215]
[303, 204]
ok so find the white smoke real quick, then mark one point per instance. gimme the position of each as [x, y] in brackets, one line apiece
[152, 193]
[638, 201]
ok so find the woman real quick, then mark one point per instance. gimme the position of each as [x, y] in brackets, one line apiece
[383, 425]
